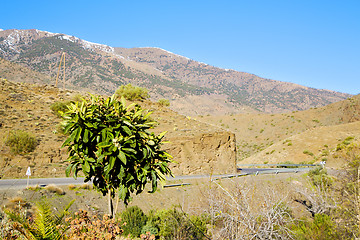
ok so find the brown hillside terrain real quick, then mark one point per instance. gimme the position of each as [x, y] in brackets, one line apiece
[313, 145]
[256, 132]
[192, 87]
[196, 147]
[17, 73]
[241, 88]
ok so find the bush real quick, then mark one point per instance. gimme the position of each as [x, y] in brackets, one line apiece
[322, 227]
[164, 102]
[55, 189]
[150, 228]
[131, 92]
[135, 220]
[344, 143]
[175, 224]
[59, 107]
[308, 153]
[21, 142]
[319, 177]
[84, 226]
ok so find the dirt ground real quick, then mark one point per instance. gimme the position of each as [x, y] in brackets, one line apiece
[194, 199]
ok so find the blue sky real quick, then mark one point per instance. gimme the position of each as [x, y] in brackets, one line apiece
[314, 43]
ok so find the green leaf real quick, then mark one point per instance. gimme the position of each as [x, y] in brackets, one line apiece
[126, 129]
[123, 192]
[153, 182]
[104, 144]
[68, 170]
[161, 135]
[112, 160]
[66, 143]
[122, 157]
[129, 150]
[86, 167]
[86, 136]
[123, 102]
[78, 134]
[147, 115]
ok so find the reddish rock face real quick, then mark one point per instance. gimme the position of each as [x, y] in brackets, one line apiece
[208, 153]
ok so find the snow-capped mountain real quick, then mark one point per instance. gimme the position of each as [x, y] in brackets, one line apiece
[194, 88]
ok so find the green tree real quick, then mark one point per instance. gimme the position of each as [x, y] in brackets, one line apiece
[131, 92]
[110, 143]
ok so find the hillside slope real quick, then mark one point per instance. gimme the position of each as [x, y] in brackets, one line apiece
[193, 88]
[256, 132]
[313, 145]
[197, 148]
[241, 88]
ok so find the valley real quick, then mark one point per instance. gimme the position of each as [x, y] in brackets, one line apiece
[216, 118]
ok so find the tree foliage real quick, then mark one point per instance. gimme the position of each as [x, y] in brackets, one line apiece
[111, 144]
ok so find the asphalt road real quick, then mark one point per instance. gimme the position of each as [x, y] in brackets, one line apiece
[22, 183]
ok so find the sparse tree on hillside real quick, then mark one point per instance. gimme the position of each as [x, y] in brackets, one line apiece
[110, 143]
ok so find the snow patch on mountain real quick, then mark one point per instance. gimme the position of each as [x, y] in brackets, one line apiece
[168, 52]
[86, 44]
[15, 37]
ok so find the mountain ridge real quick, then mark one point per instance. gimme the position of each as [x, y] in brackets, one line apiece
[102, 69]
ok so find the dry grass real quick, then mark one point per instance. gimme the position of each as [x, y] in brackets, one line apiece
[72, 186]
[85, 186]
[15, 203]
[55, 189]
[33, 188]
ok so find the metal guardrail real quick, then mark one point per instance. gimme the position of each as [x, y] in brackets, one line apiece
[278, 165]
[176, 185]
[271, 171]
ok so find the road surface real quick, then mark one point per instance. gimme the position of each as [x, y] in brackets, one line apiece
[22, 183]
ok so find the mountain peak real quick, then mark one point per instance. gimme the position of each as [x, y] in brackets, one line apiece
[194, 88]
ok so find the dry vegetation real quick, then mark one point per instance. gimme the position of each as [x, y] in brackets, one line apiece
[323, 204]
[33, 109]
[276, 138]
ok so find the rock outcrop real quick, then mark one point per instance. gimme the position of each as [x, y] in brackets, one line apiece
[208, 153]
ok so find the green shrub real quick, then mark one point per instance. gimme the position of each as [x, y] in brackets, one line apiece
[131, 92]
[319, 177]
[77, 98]
[135, 220]
[308, 153]
[322, 227]
[150, 228]
[58, 107]
[173, 224]
[344, 143]
[164, 102]
[21, 142]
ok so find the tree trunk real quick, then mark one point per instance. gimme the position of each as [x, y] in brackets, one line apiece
[111, 208]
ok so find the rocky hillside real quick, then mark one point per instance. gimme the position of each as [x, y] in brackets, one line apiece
[193, 88]
[197, 148]
[284, 137]
[239, 87]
